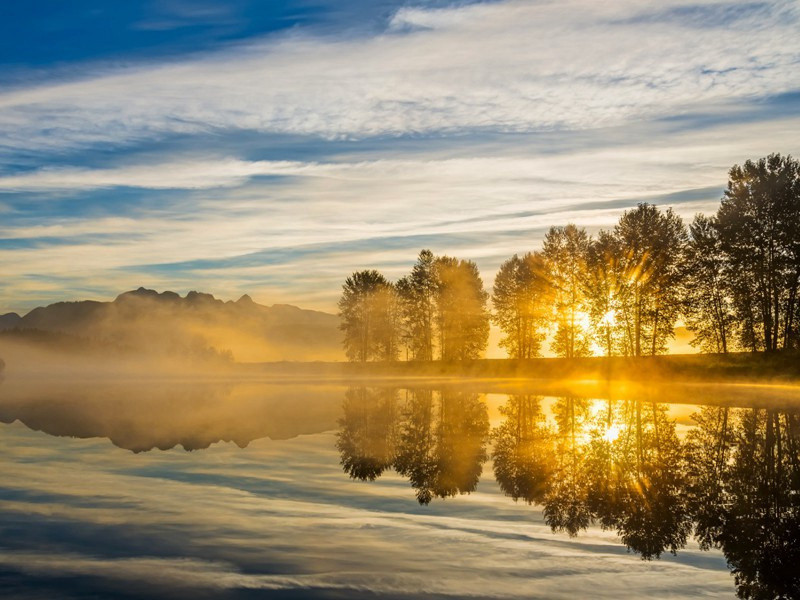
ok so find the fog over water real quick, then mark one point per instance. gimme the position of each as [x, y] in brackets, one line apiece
[102, 497]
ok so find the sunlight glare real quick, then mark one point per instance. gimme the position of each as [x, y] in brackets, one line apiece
[612, 433]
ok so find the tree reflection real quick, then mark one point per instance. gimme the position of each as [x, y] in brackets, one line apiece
[566, 502]
[746, 494]
[442, 443]
[435, 439]
[366, 437]
[523, 450]
[733, 480]
[640, 492]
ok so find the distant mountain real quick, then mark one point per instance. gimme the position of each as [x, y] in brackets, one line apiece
[147, 320]
[9, 321]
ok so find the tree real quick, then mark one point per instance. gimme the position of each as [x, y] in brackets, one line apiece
[417, 293]
[565, 251]
[707, 306]
[462, 318]
[605, 289]
[522, 304]
[368, 313]
[759, 229]
[652, 243]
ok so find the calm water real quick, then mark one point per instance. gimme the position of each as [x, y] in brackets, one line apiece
[253, 489]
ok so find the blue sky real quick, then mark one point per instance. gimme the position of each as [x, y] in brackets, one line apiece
[274, 147]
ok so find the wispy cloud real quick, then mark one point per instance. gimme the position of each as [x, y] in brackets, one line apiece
[468, 128]
[510, 66]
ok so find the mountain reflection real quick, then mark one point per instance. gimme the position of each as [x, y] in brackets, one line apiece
[141, 416]
[732, 480]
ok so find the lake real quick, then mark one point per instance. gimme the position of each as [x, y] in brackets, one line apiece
[400, 489]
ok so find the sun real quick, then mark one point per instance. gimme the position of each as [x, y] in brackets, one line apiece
[612, 433]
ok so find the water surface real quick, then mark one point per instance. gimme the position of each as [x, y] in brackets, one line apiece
[239, 489]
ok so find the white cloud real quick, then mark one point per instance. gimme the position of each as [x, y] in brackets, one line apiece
[510, 66]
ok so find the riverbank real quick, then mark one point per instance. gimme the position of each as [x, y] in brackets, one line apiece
[779, 367]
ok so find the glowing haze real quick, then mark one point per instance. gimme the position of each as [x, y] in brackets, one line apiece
[273, 148]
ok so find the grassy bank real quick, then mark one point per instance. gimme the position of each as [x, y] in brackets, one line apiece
[779, 367]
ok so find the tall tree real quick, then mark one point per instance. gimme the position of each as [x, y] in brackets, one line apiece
[565, 252]
[462, 317]
[605, 288]
[417, 293]
[759, 231]
[522, 304]
[708, 307]
[653, 244]
[368, 313]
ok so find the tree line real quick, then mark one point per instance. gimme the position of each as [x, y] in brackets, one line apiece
[731, 277]
[732, 482]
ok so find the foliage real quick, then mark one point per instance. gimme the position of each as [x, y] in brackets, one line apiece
[368, 312]
[522, 304]
[759, 231]
[462, 318]
[733, 278]
[565, 252]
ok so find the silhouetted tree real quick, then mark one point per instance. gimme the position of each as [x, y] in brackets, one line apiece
[759, 230]
[708, 296]
[652, 243]
[605, 290]
[368, 311]
[522, 299]
[565, 252]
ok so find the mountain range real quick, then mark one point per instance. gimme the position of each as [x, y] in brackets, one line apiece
[146, 320]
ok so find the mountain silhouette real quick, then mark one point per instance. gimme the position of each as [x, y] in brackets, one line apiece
[147, 320]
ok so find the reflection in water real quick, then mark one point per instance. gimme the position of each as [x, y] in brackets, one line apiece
[730, 479]
[435, 439]
[733, 480]
[745, 493]
[143, 416]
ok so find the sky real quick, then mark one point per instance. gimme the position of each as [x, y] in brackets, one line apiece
[272, 148]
